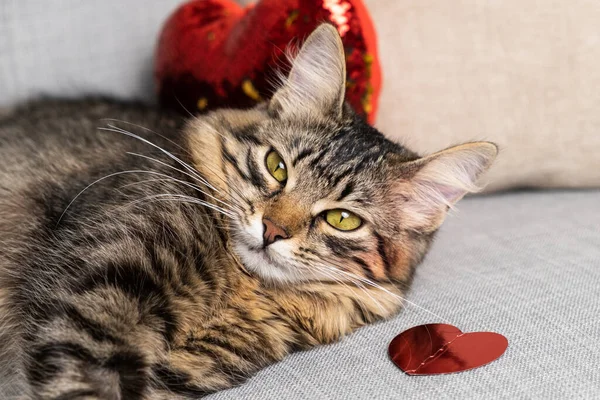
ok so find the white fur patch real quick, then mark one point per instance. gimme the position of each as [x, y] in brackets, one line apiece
[258, 262]
[255, 229]
[273, 263]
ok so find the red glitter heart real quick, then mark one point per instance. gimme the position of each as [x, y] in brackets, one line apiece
[435, 349]
[215, 53]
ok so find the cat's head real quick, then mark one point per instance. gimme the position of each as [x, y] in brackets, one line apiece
[315, 192]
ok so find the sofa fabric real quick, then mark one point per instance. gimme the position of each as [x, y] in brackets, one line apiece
[73, 48]
[525, 264]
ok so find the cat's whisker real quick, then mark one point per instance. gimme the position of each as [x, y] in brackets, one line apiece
[344, 269]
[331, 274]
[234, 193]
[112, 128]
[193, 200]
[195, 117]
[143, 181]
[193, 176]
[379, 287]
[92, 184]
[217, 175]
[185, 108]
[197, 188]
[148, 130]
[231, 206]
[112, 175]
[182, 198]
[360, 286]
[236, 202]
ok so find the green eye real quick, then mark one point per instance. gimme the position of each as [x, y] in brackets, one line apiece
[276, 166]
[343, 220]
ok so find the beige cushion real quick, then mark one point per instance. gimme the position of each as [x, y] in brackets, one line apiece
[522, 73]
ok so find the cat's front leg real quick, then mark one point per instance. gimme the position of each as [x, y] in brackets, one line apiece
[89, 346]
[230, 346]
[106, 344]
[111, 342]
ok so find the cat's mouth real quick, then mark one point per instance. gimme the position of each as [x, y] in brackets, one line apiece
[262, 251]
[264, 262]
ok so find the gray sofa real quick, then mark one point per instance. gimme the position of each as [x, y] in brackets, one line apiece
[525, 264]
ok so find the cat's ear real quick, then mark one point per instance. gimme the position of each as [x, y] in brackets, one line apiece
[317, 80]
[433, 184]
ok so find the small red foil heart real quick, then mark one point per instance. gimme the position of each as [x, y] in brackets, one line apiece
[435, 349]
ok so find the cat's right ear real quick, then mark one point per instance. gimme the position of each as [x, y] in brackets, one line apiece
[426, 188]
[317, 80]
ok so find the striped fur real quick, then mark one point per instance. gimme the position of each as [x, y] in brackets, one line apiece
[151, 283]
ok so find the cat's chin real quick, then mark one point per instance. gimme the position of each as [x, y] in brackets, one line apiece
[263, 264]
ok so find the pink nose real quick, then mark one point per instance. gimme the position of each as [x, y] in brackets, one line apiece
[272, 232]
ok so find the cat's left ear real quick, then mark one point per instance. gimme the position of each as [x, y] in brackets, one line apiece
[317, 81]
[428, 187]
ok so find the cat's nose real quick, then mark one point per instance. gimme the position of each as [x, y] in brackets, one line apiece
[272, 232]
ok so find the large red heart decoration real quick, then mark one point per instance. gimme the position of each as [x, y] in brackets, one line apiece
[434, 349]
[214, 53]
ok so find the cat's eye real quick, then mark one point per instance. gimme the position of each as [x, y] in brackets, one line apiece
[276, 166]
[343, 220]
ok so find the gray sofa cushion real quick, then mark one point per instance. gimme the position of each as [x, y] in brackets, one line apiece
[73, 47]
[526, 265]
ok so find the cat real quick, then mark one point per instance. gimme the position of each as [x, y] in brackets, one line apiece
[150, 257]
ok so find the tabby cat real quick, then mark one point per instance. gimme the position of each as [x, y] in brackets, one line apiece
[145, 257]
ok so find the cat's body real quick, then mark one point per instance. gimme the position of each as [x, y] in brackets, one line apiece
[176, 284]
[152, 259]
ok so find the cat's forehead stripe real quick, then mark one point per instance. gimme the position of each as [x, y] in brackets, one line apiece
[346, 192]
[352, 144]
[302, 155]
[335, 165]
[247, 134]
